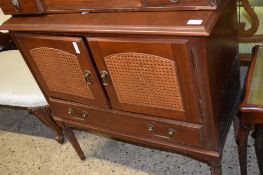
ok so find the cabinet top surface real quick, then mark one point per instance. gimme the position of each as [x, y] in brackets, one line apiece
[180, 23]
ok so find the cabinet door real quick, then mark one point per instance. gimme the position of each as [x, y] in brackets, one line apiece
[63, 68]
[148, 76]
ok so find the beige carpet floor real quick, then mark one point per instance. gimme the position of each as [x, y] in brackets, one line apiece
[27, 148]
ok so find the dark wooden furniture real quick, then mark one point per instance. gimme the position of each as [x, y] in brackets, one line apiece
[164, 79]
[251, 111]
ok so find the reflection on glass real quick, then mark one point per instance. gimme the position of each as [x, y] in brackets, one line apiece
[250, 24]
[256, 90]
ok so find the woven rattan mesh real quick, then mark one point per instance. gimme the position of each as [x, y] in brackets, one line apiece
[147, 80]
[61, 71]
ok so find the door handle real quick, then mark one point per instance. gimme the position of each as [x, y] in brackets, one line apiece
[104, 78]
[87, 75]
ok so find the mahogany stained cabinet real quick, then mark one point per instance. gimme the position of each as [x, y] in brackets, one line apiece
[161, 74]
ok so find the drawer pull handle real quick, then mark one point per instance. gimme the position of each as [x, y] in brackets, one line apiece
[87, 75]
[151, 127]
[173, 1]
[171, 132]
[70, 111]
[104, 78]
[73, 114]
[16, 4]
[85, 115]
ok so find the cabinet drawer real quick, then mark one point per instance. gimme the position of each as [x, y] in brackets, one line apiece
[80, 5]
[129, 124]
[180, 3]
[21, 6]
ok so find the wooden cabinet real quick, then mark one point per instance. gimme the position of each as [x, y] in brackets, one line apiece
[161, 79]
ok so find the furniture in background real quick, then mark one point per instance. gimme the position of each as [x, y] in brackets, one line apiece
[250, 28]
[18, 87]
[165, 77]
[251, 111]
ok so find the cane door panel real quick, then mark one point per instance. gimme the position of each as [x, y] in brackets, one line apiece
[63, 68]
[147, 76]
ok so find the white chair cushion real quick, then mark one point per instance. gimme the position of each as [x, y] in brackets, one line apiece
[3, 18]
[17, 85]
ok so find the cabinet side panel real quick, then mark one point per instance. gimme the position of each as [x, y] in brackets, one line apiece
[223, 69]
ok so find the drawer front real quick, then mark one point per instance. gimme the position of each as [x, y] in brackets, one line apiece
[21, 6]
[129, 124]
[90, 4]
[179, 3]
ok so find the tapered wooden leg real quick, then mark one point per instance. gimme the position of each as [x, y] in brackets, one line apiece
[216, 168]
[259, 146]
[44, 115]
[72, 139]
[242, 137]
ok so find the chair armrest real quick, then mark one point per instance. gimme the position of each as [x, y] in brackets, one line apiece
[6, 42]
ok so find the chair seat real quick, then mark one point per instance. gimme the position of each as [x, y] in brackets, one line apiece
[17, 85]
[3, 18]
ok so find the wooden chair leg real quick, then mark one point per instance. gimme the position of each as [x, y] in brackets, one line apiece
[259, 146]
[216, 168]
[72, 139]
[44, 115]
[242, 139]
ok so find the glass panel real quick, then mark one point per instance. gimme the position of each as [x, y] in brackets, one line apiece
[251, 24]
[256, 90]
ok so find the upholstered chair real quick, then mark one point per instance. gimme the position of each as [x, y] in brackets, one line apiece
[18, 87]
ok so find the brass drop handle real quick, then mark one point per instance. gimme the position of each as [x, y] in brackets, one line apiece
[171, 132]
[71, 111]
[84, 115]
[16, 4]
[104, 78]
[151, 127]
[73, 114]
[87, 75]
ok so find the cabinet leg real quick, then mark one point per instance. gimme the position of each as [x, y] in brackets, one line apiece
[259, 146]
[44, 115]
[242, 137]
[216, 168]
[72, 139]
